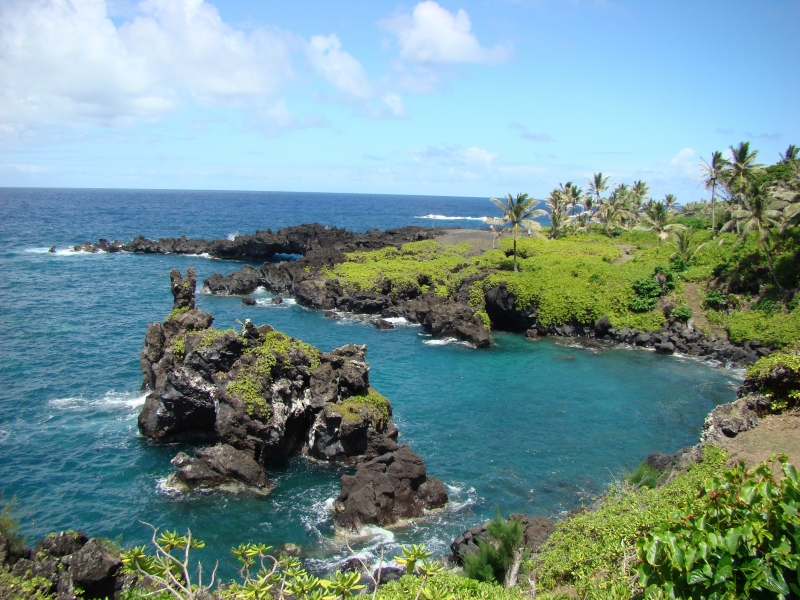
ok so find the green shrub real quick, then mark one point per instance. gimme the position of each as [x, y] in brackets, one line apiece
[777, 376]
[714, 300]
[682, 313]
[446, 586]
[647, 291]
[739, 539]
[372, 406]
[593, 550]
[778, 330]
[481, 314]
[643, 476]
[492, 561]
[412, 269]
[17, 588]
[177, 312]
[677, 263]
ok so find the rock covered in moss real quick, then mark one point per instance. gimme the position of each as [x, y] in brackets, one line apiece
[387, 488]
[68, 562]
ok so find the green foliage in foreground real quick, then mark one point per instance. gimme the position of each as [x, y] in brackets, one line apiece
[446, 586]
[739, 539]
[596, 550]
[777, 376]
[17, 588]
[492, 561]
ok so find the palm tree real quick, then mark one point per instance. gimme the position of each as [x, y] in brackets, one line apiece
[685, 241]
[615, 209]
[597, 185]
[518, 213]
[759, 213]
[558, 202]
[792, 153]
[743, 167]
[639, 190]
[713, 174]
[670, 200]
[657, 218]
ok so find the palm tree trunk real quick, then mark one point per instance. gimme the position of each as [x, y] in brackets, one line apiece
[772, 268]
[515, 251]
[713, 215]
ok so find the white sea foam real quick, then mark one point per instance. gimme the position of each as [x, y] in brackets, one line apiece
[444, 342]
[110, 400]
[60, 252]
[446, 218]
[401, 322]
[232, 236]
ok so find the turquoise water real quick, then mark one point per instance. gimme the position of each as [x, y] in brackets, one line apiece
[530, 427]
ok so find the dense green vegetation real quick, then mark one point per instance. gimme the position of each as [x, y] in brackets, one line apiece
[740, 538]
[580, 268]
[777, 376]
[598, 549]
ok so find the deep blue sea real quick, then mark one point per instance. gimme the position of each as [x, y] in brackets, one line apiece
[533, 427]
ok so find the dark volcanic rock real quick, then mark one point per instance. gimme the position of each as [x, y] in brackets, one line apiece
[260, 397]
[218, 465]
[387, 488]
[248, 301]
[383, 324]
[241, 282]
[93, 569]
[68, 562]
[459, 321]
[183, 290]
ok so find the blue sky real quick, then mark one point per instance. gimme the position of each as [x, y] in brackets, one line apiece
[467, 98]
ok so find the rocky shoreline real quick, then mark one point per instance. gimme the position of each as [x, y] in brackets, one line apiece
[322, 248]
[257, 397]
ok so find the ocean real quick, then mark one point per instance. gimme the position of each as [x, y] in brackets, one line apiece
[529, 427]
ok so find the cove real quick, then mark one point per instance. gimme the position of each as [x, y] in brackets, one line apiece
[530, 427]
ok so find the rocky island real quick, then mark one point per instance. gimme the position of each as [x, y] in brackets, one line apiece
[258, 396]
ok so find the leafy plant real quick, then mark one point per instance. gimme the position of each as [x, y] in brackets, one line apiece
[682, 313]
[714, 300]
[492, 560]
[742, 539]
[596, 550]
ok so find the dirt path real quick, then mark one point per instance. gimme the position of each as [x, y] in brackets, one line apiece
[481, 239]
[692, 293]
[776, 433]
[627, 254]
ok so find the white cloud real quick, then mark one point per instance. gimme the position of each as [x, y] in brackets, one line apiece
[434, 35]
[683, 157]
[66, 62]
[338, 67]
[457, 155]
[395, 105]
